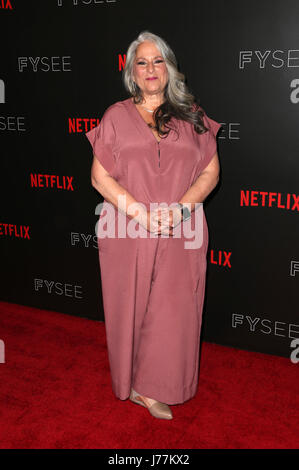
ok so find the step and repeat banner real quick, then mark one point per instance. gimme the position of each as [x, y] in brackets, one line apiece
[61, 65]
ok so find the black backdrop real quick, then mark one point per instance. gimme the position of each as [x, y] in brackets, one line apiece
[61, 67]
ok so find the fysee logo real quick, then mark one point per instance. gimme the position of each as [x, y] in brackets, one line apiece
[78, 2]
[295, 354]
[294, 268]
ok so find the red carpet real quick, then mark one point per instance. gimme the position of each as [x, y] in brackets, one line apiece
[56, 394]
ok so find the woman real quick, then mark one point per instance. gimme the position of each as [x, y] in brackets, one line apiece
[157, 146]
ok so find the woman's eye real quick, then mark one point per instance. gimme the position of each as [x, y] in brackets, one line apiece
[156, 62]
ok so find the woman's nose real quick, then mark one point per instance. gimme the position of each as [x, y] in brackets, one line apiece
[150, 67]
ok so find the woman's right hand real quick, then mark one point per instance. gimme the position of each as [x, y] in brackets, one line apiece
[153, 222]
[148, 220]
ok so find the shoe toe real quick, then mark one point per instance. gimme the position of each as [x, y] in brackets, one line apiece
[161, 410]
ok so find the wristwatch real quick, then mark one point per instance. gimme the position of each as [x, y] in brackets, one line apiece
[186, 214]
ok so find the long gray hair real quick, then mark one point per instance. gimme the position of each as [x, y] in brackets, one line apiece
[178, 101]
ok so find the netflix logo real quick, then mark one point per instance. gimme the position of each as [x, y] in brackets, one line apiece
[79, 125]
[51, 181]
[121, 61]
[16, 231]
[5, 5]
[221, 258]
[268, 199]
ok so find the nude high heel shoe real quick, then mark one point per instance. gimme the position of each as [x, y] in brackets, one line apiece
[156, 408]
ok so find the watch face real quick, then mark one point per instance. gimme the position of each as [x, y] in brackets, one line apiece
[186, 213]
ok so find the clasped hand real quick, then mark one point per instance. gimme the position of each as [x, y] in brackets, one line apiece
[162, 220]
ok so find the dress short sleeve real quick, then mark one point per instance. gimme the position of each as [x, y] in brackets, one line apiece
[210, 142]
[102, 140]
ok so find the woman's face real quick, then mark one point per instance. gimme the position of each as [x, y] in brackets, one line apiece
[148, 64]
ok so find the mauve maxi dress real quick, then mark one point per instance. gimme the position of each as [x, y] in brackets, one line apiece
[153, 288]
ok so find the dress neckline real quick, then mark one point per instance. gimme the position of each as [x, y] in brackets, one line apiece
[130, 101]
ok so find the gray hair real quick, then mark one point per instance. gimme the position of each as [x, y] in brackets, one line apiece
[177, 96]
